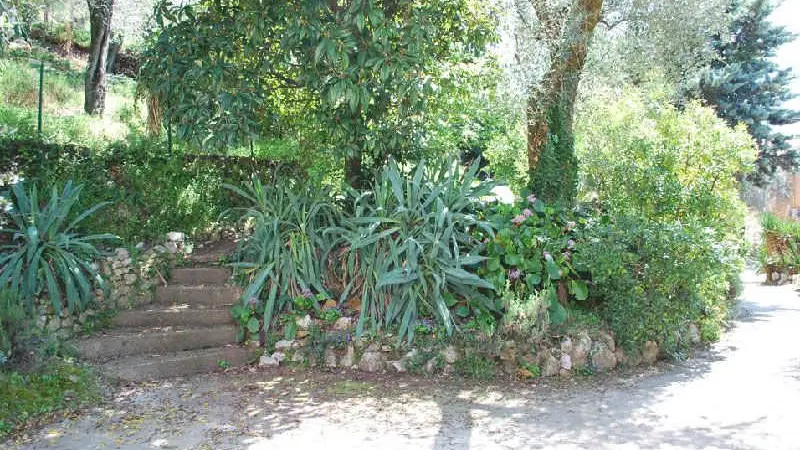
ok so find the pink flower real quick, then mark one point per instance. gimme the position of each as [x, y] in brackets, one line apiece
[531, 198]
[514, 274]
[570, 244]
[517, 220]
[527, 212]
[570, 225]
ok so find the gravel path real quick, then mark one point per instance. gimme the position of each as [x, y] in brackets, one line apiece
[743, 394]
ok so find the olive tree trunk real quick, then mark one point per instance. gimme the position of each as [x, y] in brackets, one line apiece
[552, 164]
[100, 29]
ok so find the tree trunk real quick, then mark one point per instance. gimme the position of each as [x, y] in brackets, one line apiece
[113, 50]
[100, 29]
[551, 156]
[353, 174]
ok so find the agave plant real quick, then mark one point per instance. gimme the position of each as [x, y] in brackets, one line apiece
[43, 252]
[408, 248]
[283, 258]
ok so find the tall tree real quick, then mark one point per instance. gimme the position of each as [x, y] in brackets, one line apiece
[363, 69]
[100, 29]
[746, 85]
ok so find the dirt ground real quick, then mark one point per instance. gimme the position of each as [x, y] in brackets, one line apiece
[742, 394]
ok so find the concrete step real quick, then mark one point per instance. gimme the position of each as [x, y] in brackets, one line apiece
[120, 343]
[209, 296]
[173, 316]
[178, 364]
[199, 276]
[213, 253]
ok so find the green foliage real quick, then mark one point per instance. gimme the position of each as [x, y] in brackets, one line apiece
[555, 178]
[151, 192]
[14, 326]
[651, 279]
[476, 365]
[641, 156]
[746, 85]
[285, 254]
[408, 249]
[59, 386]
[363, 70]
[19, 85]
[779, 246]
[532, 251]
[45, 253]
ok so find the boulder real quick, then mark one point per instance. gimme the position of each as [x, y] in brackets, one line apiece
[396, 366]
[650, 352]
[449, 354]
[279, 356]
[349, 358]
[607, 339]
[330, 358]
[603, 358]
[581, 347]
[175, 236]
[566, 345]
[566, 362]
[371, 361]
[283, 345]
[268, 361]
[342, 324]
[549, 365]
[304, 322]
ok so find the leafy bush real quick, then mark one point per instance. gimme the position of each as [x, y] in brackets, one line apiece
[780, 239]
[45, 253]
[284, 256]
[151, 191]
[19, 84]
[14, 323]
[652, 280]
[532, 251]
[408, 250]
[640, 155]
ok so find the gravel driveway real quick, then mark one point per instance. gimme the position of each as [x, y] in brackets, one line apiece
[742, 394]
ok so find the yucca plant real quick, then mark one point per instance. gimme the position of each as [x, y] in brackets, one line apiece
[408, 250]
[42, 250]
[283, 257]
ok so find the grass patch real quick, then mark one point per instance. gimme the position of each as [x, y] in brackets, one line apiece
[350, 387]
[61, 387]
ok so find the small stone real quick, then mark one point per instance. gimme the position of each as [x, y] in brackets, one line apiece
[279, 356]
[430, 366]
[298, 357]
[564, 372]
[304, 323]
[566, 362]
[122, 253]
[386, 348]
[603, 358]
[373, 347]
[396, 366]
[349, 358]
[171, 247]
[140, 246]
[268, 361]
[566, 345]
[329, 304]
[160, 249]
[371, 362]
[549, 365]
[608, 340]
[509, 351]
[330, 358]
[283, 345]
[694, 334]
[581, 347]
[342, 324]
[449, 369]
[130, 279]
[449, 354]
[175, 236]
[301, 334]
[650, 353]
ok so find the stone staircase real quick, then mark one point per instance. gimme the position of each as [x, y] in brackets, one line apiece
[187, 329]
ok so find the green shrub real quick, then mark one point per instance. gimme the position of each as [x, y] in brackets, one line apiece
[151, 192]
[652, 280]
[45, 253]
[14, 326]
[642, 156]
[532, 251]
[284, 257]
[408, 250]
[19, 84]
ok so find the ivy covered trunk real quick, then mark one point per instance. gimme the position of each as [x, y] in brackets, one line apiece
[100, 29]
[552, 165]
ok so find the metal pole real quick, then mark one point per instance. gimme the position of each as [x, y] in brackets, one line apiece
[41, 98]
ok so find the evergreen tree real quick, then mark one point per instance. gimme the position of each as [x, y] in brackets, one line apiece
[746, 85]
